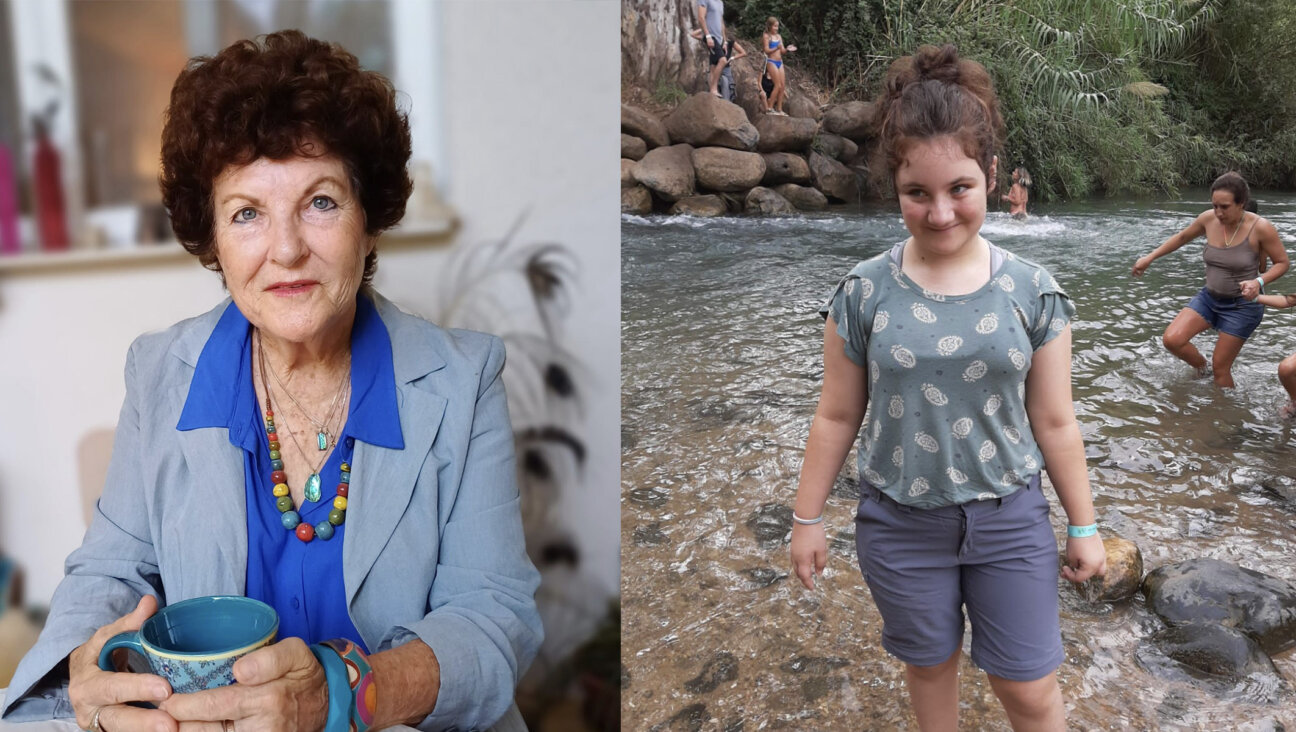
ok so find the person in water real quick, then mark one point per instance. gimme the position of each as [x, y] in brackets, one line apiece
[1018, 194]
[1237, 243]
[773, 46]
[956, 356]
[1287, 366]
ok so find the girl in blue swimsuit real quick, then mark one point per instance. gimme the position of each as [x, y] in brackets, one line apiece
[772, 44]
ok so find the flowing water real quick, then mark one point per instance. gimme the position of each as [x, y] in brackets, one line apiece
[721, 369]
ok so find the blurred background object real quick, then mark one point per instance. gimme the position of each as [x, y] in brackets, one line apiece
[512, 228]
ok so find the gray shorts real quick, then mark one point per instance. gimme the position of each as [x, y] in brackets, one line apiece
[997, 557]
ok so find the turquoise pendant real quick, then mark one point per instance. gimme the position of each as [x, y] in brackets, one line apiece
[313, 488]
[323, 441]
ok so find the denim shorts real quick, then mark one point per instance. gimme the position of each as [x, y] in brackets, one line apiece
[997, 557]
[1236, 316]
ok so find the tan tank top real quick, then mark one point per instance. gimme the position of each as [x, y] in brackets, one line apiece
[1227, 269]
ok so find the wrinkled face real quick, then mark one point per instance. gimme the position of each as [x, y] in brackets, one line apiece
[290, 240]
[1227, 209]
[942, 195]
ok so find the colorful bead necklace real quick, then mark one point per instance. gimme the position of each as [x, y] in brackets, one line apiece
[291, 519]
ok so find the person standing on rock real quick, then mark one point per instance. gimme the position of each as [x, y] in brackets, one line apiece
[773, 46]
[711, 17]
[1237, 245]
[956, 356]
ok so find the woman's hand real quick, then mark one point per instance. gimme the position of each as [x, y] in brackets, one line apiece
[95, 691]
[1141, 265]
[809, 552]
[1085, 558]
[280, 687]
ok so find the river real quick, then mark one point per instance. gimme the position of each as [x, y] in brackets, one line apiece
[721, 369]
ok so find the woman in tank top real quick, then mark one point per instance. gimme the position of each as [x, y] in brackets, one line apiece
[1237, 242]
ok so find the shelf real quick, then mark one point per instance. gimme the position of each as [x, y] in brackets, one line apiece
[403, 237]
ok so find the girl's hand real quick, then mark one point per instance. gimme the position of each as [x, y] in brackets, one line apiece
[791, 48]
[94, 691]
[809, 552]
[1085, 558]
[280, 687]
[1141, 266]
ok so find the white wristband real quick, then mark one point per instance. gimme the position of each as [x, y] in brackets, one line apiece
[807, 522]
[1260, 281]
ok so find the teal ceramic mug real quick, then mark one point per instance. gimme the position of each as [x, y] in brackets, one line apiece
[194, 643]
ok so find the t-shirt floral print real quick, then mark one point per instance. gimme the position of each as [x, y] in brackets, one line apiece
[946, 422]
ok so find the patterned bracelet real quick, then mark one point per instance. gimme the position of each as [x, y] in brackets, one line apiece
[1080, 532]
[360, 675]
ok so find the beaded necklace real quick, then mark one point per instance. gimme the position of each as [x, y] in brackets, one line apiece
[291, 519]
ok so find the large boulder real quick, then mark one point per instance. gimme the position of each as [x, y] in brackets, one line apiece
[1124, 573]
[668, 171]
[1213, 649]
[804, 198]
[636, 200]
[636, 122]
[1208, 590]
[850, 119]
[785, 168]
[799, 105]
[834, 179]
[632, 147]
[627, 173]
[766, 201]
[711, 205]
[834, 146]
[722, 169]
[779, 134]
[705, 119]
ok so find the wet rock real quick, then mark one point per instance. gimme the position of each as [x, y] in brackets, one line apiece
[722, 169]
[1214, 650]
[762, 577]
[771, 523]
[846, 486]
[785, 168]
[817, 687]
[834, 179]
[851, 119]
[1124, 573]
[804, 198]
[632, 147]
[627, 174]
[799, 105]
[814, 665]
[705, 206]
[768, 202]
[688, 719]
[647, 496]
[635, 121]
[785, 134]
[650, 535]
[705, 119]
[636, 200]
[734, 725]
[668, 171]
[835, 146]
[722, 668]
[1207, 590]
[1281, 487]
[843, 542]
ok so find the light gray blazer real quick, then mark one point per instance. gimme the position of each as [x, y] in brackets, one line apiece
[434, 547]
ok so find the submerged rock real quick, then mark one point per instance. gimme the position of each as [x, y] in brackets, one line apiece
[688, 719]
[722, 668]
[771, 524]
[766, 201]
[803, 197]
[1212, 591]
[1214, 650]
[762, 577]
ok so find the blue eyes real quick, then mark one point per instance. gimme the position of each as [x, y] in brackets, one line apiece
[318, 203]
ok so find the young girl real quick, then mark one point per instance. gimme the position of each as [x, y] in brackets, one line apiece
[944, 346]
[1019, 194]
[1287, 366]
[772, 45]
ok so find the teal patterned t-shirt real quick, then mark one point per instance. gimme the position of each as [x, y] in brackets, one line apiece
[946, 422]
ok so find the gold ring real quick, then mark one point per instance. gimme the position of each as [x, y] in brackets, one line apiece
[94, 720]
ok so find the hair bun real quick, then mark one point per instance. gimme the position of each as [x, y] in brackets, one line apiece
[940, 63]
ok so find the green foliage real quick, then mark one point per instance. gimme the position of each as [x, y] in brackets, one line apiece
[668, 92]
[1098, 96]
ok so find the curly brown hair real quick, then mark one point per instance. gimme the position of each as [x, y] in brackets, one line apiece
[934, 93]
[281, 95]
[1234, 183]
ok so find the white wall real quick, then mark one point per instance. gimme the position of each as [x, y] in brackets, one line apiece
[530, 125]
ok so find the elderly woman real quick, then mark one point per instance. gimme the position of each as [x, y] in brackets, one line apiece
[305, 443]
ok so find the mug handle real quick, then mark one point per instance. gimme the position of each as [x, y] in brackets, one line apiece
[129, 640]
